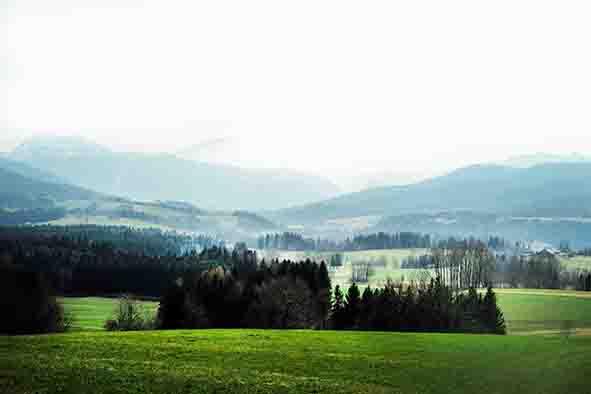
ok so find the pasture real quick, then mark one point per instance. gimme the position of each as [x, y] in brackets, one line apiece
[582, 263]
[90, 313]
[254, 361]
[385, 264]
[527, 311]
[530, 311]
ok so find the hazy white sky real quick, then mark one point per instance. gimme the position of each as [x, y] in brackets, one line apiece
[319, 86]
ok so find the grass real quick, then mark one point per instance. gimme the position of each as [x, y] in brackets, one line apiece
[251, 361]
[545, 311]
[525, 310]
[90, 313]
[257, 361]
[390, 258]
[577, 263]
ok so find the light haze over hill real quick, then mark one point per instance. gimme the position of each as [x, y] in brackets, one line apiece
[145, 176]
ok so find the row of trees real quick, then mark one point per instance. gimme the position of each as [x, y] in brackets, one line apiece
[463, 266]
[417, 262]
[295, 241]
[538, 271]
[432, 307]
[151, 242]
[298, 295]
[280, 295]
[76, 264]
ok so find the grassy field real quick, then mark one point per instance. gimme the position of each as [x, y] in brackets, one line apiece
[90, 313]
[577, 263]
[526, 311]
[389, 267]
[545, 311]
[250, 361]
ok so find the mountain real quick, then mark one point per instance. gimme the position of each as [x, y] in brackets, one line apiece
[483, 225]
[26, 200]
[168, 177]
[20, 192]
[555, 189]
[27, 171]
[527, 161]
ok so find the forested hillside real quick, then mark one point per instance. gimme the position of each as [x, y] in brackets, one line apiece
[556, 190]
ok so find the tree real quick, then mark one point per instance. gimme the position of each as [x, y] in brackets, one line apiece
[492, 317]
[282, 303]
[338, 309]
[172, 309]
[352, 306]
[323, 294]
[366, 311]
[27, 305]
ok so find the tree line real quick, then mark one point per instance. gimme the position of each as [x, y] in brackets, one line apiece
[285, 295]
[148, 241]
[74, 262]
[296, 241]
[381, 240]
[422, 307]
[217, 287]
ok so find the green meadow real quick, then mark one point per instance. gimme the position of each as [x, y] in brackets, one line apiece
[526, 311]
[268, 361]
[255, 361]
[90, 313]
[582, 263]
[545, 311]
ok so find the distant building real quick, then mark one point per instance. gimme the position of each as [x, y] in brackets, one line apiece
[549, 253]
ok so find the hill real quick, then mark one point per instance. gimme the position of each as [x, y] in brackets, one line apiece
[33, 200]
[168, 177]
[28, 171]
[20, 192]
[266, 361]
[553, 190]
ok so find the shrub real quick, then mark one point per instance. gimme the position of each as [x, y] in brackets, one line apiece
[130, 315]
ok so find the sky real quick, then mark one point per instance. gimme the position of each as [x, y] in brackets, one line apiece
[326, 87]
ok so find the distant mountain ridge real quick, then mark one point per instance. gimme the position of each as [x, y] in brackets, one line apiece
[32, 200]
[554, 189]
[526, 161]
[167, 177]
[20, 192]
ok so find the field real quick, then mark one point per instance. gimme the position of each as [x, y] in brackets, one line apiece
[577, 263]
[545, 311]
[526, 311]
[257, 361]
[90, 313]
[251, 361]
[386, 264]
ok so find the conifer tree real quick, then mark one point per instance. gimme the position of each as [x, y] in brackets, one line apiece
[352, 306]
[492, 316]
[338, 309]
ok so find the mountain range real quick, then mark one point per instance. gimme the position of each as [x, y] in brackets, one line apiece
[168, 177]
[71, 180]
[553, 189]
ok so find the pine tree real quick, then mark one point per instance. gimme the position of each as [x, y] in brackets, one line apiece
[367, 307]
[323, 293]
[338, 309]
[492, 317]
[352, 306]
